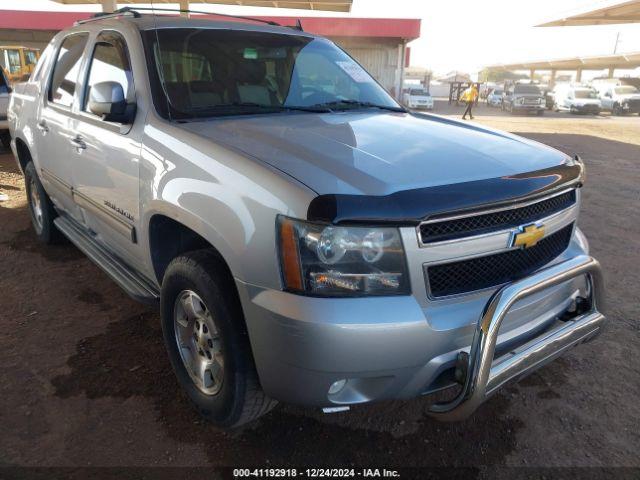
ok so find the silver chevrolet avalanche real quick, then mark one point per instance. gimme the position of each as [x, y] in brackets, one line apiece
[306, 238]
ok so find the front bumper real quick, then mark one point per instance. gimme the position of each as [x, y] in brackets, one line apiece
[484, 375]
[588, 109]
[631, 107]
[518, 107]
[400, 348]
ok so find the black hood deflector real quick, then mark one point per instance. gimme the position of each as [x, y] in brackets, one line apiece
[410, 207]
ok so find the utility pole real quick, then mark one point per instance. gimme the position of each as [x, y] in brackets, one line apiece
[615, 47]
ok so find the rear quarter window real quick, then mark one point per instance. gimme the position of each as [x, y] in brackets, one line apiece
[67, 68]
[38, 71]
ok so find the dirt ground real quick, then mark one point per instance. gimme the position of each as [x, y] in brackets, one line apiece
[85, 381]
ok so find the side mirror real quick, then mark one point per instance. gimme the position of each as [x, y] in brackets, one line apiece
[107, 100]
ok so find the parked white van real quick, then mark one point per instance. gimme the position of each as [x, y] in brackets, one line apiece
[619, 99]
[576, 99]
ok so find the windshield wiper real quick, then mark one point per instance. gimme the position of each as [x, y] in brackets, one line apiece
[357, 104]
[225, 107]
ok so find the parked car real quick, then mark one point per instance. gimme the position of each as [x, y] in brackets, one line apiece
[418, 98]
[312, 245]
[494, 99]
[619, 99]
[5, 91]
[576, 99]
[523, 98]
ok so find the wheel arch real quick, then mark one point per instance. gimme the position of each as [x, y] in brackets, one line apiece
[169, 238]
[23, 153]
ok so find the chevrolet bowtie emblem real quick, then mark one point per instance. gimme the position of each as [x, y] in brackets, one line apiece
[528, 236]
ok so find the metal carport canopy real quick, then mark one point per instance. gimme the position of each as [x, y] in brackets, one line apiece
[325, 5]
[625, 12]
[624, 60]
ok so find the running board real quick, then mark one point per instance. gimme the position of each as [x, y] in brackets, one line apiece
[136, 287]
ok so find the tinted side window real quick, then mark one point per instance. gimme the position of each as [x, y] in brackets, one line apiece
[65, 72]
[110, 63]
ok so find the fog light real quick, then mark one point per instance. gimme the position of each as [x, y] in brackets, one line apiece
[337, 386]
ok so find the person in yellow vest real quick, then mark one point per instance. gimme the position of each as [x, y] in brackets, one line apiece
[469, 96]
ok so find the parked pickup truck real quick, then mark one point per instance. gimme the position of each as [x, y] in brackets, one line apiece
[523, 98]
[306, 238]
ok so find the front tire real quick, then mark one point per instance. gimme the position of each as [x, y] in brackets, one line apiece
[41, 208]
[205, 336]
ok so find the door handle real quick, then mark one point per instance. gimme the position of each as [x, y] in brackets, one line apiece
[78, 143]
[42, 126]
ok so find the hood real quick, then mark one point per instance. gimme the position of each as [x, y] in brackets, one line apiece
[629, 96]
[377, 153]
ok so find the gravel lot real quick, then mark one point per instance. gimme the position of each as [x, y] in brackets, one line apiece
[84, 379]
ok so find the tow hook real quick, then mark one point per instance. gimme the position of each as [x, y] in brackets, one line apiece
[462, 366]
[579, 306]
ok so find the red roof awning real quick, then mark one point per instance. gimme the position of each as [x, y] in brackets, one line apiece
[408, 29]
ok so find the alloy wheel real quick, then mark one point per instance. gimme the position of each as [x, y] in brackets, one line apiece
[36, 205]
[198, 342]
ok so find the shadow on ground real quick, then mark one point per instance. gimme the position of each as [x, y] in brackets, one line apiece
[129, 360]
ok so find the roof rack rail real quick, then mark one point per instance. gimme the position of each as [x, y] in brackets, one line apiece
[178, 10]
[118, 13]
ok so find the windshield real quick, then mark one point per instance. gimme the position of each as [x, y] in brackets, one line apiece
[626, 90]
[585, 93]
[496, 92]
[418, 92]
[210, 72]
[528, 89]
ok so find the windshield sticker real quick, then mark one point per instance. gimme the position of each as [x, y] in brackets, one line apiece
[251, 53]
[355, 71]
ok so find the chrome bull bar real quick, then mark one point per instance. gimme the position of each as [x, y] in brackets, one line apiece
[484, 376]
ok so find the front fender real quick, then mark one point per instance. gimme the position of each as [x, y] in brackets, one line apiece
[230, 200]
[21, 117]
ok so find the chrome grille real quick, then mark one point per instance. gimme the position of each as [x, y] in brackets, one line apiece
[437, 231]
[492, 270]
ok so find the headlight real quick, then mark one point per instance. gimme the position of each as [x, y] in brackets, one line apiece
[333, 261]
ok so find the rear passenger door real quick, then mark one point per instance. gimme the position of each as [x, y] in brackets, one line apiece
[107, 154]
[53, 124]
